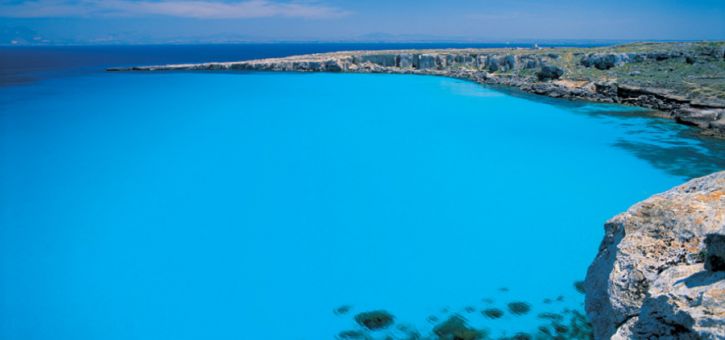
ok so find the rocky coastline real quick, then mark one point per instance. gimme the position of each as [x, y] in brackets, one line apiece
[660, 269]
[681, 81]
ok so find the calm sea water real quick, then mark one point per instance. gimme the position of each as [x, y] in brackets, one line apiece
[251, 205]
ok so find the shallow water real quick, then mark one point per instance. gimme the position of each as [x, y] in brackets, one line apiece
[251, 205]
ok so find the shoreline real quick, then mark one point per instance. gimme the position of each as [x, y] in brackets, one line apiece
[597, 74]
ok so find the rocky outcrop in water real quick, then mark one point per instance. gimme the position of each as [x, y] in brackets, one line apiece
[659, 271]
[681, 80]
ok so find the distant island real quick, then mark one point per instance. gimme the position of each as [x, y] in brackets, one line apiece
[684, 81]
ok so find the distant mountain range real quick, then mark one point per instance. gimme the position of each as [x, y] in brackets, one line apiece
[23, 36]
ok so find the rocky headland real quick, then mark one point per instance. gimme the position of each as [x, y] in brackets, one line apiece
[660, 270]
[682, 81]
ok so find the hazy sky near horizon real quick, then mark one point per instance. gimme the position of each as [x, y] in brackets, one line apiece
[138, 21]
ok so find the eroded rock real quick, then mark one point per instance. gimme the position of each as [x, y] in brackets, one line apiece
[715, 252]
[605, 61]
[699, 117]
[649, 279]
[550, 72]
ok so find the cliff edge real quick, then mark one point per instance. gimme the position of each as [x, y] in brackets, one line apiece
[682, 81]
[660, 270]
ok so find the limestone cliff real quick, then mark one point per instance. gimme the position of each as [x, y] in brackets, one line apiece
[659, 273]
[683, 81]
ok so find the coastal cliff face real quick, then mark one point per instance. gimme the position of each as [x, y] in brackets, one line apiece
[684, 81]
[660, 270]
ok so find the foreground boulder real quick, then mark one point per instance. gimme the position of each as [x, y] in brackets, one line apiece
[659, 272]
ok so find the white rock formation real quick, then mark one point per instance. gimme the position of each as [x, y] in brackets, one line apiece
[659, 271]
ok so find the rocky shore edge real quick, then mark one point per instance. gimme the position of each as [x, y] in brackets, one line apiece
[660, 269]
[552, 72]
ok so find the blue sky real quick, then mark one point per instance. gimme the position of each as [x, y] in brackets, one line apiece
[154, 21]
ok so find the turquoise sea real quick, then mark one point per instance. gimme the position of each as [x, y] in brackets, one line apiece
[252, 205]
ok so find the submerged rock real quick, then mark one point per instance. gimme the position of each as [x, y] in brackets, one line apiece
[544, 332]
[492, 313]
[455, 328]
[408, 332]
[550, 316]
[561, 329]
[650, 278]
[572, 325]
[375, 320]
[519, 308]
[579, 326]
[344, 309]
[521, 336]
[353, 335]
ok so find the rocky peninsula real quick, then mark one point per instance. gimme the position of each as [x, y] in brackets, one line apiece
[682, 81]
